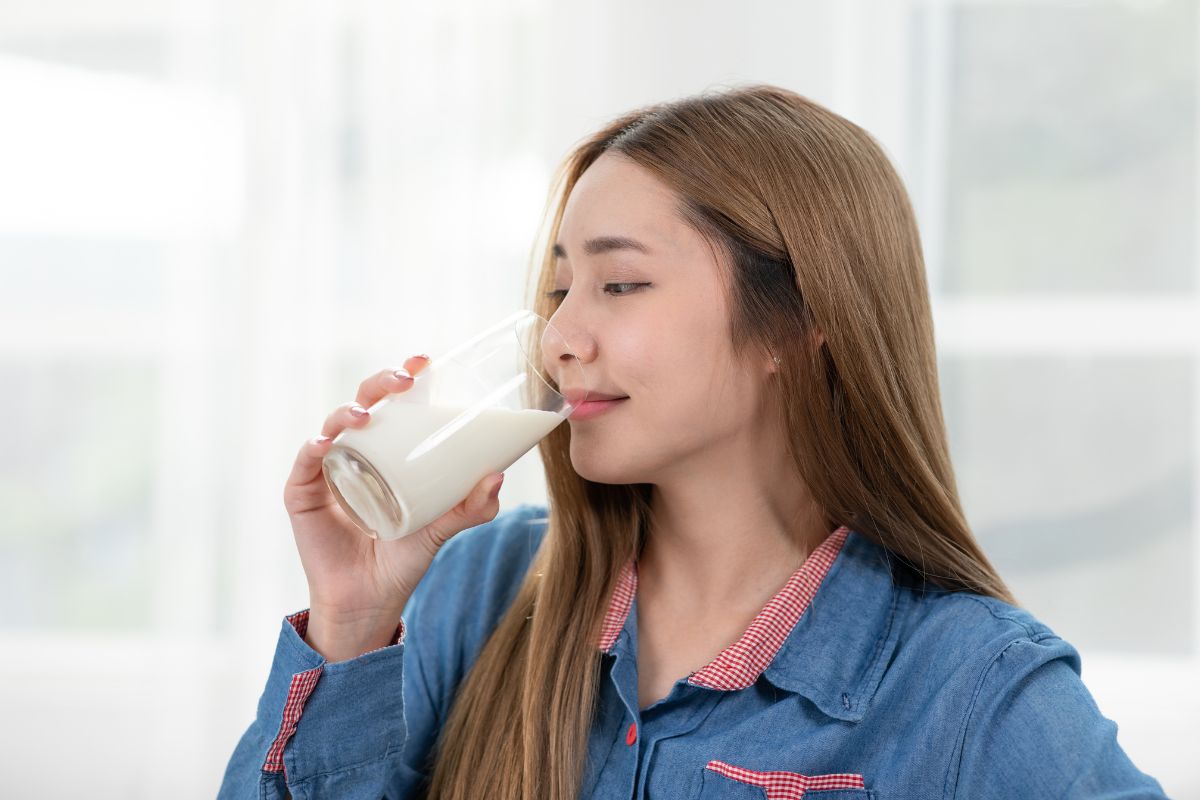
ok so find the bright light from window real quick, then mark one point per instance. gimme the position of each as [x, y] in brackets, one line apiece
[84, 153]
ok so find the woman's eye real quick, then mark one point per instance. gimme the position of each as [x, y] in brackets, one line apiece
[634, 285]
[560, 293]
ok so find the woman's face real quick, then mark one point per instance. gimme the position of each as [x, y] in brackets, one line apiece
[652, 326]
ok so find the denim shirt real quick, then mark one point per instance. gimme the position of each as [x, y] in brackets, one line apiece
[855, 681]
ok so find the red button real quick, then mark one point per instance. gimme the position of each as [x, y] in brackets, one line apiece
[631, 734]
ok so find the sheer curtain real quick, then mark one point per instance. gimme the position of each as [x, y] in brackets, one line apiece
[216, 218]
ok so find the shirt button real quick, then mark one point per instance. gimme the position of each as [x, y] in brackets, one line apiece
[631, 734]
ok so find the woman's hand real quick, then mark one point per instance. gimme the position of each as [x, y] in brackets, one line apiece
[358, 585]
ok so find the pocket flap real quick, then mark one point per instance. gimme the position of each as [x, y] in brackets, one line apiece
[785, 785]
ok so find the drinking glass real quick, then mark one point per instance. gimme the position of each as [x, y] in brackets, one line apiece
[471, 411]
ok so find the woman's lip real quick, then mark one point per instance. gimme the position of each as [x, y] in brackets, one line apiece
[593, 408]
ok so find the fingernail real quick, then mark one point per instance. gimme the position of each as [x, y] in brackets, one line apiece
[403, 374]
[321, 440]
[358, 411]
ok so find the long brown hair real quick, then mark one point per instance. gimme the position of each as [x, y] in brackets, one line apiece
[816, 232]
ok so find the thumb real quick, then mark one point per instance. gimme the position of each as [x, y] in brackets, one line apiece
[478, 507]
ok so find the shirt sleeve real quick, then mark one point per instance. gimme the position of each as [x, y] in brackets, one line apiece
[366, 728]
[1034, 730]
[354, 740]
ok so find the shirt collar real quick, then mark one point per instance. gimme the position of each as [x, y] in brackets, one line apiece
[825, 635]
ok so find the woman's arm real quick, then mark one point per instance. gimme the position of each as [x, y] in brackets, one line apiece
[364, 728]
[336, 729]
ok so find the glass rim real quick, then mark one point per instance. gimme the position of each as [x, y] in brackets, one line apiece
[510, 323]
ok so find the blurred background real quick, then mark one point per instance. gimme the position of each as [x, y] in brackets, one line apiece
[217, 217]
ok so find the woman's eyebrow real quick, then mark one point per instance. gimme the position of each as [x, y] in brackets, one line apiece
[605, 244]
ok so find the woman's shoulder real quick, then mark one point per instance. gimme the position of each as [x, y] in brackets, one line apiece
[963, 634]
[964, 627]
[956, 626]
[470, 584]
[989, 616]
[1005, 682]
[475, 575]
[503, 545]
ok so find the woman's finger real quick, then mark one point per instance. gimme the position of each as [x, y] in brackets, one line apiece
[386, 381]
[307, 465]
[345, 416]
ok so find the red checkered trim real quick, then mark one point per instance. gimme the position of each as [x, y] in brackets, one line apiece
[619, 605]
[300, 623]
[780, 785]
[302, 685]
[740, 664]
[301, 688]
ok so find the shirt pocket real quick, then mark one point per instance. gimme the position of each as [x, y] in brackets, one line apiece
[722, 779]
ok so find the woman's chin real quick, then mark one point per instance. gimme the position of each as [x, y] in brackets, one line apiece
[598, 468]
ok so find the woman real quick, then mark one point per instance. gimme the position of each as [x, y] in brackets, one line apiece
[753, 578]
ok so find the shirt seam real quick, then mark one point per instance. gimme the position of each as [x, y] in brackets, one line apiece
[875, 667]
[1029, 630]
[955, 765]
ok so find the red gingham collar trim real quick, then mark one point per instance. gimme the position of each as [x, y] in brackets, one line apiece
[740, 664]
[618, 607]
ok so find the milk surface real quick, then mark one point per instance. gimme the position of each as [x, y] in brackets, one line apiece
[430, 462]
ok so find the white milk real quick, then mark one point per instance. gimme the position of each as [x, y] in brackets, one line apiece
[428, 464]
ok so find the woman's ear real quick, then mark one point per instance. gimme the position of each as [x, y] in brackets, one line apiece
[818, 339]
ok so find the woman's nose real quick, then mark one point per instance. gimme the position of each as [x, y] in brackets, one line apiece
[565, 349]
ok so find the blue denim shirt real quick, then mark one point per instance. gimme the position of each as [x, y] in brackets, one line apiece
[882, 688]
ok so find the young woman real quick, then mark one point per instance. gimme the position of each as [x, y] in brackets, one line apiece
[753, 577]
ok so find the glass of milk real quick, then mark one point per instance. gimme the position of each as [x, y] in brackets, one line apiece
[471, 411]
